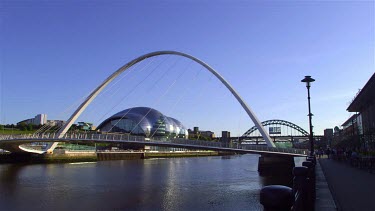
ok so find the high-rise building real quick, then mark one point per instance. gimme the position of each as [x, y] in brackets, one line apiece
[40, 119]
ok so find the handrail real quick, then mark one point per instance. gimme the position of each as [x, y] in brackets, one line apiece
[128, 138]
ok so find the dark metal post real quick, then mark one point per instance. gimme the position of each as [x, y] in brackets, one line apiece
[311, 193]
[300, 182]
[308, 80]
[276, 197]
[310, 123]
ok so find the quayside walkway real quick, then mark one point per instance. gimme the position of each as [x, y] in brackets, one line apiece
[352, 188]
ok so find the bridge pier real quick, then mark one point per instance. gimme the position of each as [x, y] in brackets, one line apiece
[275, 165]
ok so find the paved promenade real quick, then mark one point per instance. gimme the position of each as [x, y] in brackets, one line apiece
[351, 188]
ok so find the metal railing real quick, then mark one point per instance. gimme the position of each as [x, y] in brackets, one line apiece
[155, 140]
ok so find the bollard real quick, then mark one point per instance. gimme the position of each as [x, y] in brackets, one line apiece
[312, 160]
[310, 157]
[277, 197]
[311, 184]
[300, 182]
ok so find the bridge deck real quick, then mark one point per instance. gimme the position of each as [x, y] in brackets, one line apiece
[9, 142]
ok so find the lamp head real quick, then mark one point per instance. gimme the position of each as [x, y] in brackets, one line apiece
[308, 80]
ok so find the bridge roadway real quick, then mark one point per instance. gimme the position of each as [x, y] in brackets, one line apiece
[276, 138]
[19, 143]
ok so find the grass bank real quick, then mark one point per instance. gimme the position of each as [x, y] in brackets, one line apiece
[15, 132]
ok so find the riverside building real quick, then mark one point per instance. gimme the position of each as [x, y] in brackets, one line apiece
[144, 121]
[364, 106]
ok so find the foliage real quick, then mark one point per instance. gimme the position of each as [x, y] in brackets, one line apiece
[14, 132]
[22, 126]
[199, 137]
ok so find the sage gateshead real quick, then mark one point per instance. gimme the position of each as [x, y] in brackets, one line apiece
[144, 121]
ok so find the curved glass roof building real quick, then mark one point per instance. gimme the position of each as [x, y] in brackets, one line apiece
[143, 121]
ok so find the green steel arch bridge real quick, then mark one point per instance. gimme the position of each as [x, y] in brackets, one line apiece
[279, 131]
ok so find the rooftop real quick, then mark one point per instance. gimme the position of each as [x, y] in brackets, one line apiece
[364, 97]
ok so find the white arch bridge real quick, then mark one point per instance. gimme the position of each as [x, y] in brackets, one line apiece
[22, 143]
[15, 143]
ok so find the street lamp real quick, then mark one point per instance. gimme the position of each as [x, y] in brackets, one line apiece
[309, 80]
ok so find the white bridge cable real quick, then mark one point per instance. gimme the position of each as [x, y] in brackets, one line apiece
[47, 127]
[143, 96]
[107, 94]
[162, 76]
[42, 129]
[149, 74]
[159, 99]
[188, 88]
[103, 102]
[131, 69]
[101, 94]
[67, 110]
[180, 98]
[132, 90]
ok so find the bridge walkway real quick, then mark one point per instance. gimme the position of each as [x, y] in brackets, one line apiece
[175, 142]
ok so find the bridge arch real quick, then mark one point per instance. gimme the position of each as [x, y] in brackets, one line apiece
[93, 94]
[277, 122]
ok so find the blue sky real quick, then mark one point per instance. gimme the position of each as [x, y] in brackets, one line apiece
[55, 52]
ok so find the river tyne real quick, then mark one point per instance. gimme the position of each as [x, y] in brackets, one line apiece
[199, 183]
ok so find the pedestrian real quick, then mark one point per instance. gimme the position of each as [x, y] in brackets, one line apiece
[328, 152]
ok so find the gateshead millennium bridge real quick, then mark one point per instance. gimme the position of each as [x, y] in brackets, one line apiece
[21, 143]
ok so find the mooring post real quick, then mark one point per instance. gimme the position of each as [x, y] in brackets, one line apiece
[311, 184]
[277, 198]
[300, 182]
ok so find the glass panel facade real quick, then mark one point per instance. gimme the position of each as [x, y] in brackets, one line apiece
[124, 126]
[144, 121]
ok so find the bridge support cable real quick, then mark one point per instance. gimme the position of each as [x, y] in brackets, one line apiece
[53, 145]
[132, 69]
[183, 95]
[43, 129]
[186, 88]
[133, 89]
[92, 96]
[66, 111]
[143, 96]
[160, 97]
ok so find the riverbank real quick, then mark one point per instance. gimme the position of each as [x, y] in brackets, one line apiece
[90, 156]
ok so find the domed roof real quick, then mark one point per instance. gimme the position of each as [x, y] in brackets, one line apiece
[146, 117]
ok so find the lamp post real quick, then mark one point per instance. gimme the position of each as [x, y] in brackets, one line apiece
[309, 80]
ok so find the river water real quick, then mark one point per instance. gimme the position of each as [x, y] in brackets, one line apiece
[199, 183]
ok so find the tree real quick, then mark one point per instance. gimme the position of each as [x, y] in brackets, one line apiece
[22, 126]
[1, 127]
[30, 127]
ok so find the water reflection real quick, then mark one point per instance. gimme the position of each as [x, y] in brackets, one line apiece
[202, 183]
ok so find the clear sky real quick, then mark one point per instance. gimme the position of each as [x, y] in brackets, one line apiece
[55, 52]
